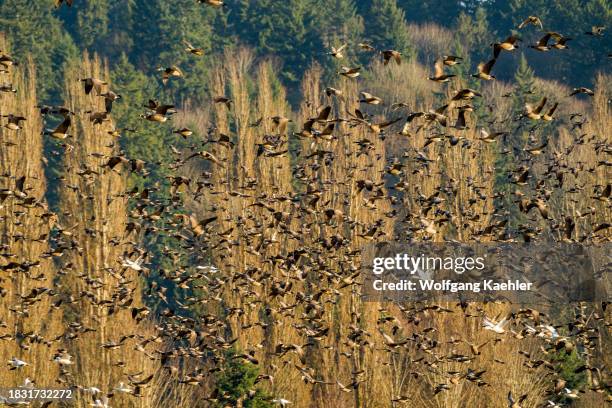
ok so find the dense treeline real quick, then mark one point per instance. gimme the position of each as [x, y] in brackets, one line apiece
[139, 38]
[296, 32]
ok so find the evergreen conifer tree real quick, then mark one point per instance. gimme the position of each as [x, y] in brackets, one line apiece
[525, 81]
[286, 29]
[386, 26]
[92, 23]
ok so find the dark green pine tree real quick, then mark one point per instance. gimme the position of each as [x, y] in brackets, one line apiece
[340, 24]
[507, 162]
[236, 380]
[340, 21]
[386, 26]
[122, 23]
[102, 26]
[92, 23]
[33, 29]
[288, 29]
[568, 364]
[525, 82]
[474, 34]
[160, 37]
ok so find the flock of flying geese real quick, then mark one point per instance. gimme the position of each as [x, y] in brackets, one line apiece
[202, 337]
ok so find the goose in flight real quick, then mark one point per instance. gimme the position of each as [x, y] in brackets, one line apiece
[515, 404]
[27, 383]
[350, 72]
[101, 403]
[93, 83]
[281, 402]
[549, 331]
[61, 131]
[572, 394]
[582, 90]
[122, 387]
[170, 72]
[388, 55]
[439, 75]
[370, 99]
[14, 122]
[451, 60]
[535, 20]
[337, 52]
[133, 265]
[16, 363]
[193, 50]
[535, 113]
[484, 70]
[509, 44]
[497, 327]
[542, 44]
[63, 360]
